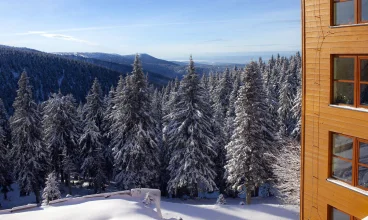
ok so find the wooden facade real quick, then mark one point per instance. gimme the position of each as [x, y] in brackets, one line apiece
[321, 42]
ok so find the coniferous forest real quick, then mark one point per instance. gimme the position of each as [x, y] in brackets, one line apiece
[231, 131]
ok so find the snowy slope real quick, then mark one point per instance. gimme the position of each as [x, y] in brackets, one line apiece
[128, 208]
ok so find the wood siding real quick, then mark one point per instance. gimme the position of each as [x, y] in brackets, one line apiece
[320, 42]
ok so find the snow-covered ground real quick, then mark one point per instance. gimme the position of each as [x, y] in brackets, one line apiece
[128, 208]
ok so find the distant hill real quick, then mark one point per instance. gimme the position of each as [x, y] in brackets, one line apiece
[149, 63]
[170, 69]
[49, 72]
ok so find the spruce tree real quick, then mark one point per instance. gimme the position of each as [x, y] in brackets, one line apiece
[51, 190]
[28, 151]
[5, 166]
[287, 96]
[190, 138]
[61, 133]
[107, 123]
[5, 144]
[92, 149]
[135, 149]
[4, 123]
[247, 165]
[297, 114]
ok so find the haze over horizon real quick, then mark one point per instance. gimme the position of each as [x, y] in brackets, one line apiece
[164, 29]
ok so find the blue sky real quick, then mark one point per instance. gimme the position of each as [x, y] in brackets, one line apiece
[169, 29]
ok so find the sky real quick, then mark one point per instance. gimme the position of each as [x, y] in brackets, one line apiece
[168, 29]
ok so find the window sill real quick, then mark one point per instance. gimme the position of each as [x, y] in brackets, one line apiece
[349, 108]
[349, 25]
[345, 185]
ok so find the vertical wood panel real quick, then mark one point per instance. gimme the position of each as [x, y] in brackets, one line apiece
[319, 43]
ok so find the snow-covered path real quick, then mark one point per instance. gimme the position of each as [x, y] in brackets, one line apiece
[127, 208]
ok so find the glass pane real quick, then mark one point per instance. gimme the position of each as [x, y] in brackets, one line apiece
[343, 93]
[341, 169]
[364, 10]
[337, 215]
[364, 69]
[344, 12]
[363, 176]
[363, 94]
[344, 68]
[342, 146]
[363, 153]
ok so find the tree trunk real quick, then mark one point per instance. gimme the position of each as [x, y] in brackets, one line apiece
[5, 195]
[67, 183]
[38, 196]
[249, 196]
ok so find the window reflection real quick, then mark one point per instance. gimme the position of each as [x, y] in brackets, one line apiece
[344, 12]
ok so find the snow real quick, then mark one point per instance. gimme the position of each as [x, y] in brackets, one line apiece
[346, 185]
[349, 108]
[130, 208]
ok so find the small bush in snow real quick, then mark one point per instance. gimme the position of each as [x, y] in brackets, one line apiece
[51, 191]
[221, 200]
[241, 203]
[148, 199]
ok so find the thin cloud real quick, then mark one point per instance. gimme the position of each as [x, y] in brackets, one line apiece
[58, 36]
[68, 38]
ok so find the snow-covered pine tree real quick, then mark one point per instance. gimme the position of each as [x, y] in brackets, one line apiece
[297, 114]
[135, 149]
[107, 123]
[270, 84]
[230, 114]
[92, 149]
[220, 108]
[28, 151]
[221, 200]
[5, 165]
[51, 190]
[190, 138]
[287, 172]
[61, 132]
[287, 95]
[4, 123]
[247, 165]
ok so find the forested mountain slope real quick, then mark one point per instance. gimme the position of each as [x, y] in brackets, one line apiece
[48, 73]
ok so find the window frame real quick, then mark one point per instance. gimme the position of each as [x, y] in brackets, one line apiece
[357, 13]
[330, 210]
[360, 20]
[356, 81]
[354, 161]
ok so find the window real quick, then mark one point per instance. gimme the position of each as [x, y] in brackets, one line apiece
[350, 81]
[347, 12]
[336, 214]
[350, 160]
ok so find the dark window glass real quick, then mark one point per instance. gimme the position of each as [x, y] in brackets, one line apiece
[344, 12]
[344, 68]
[341, 169]
[363, 94]
[364, 10]
[364, 69]
[342, 146]
[363, 176]
[337, 215]
[363, 153]
[344, 93]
